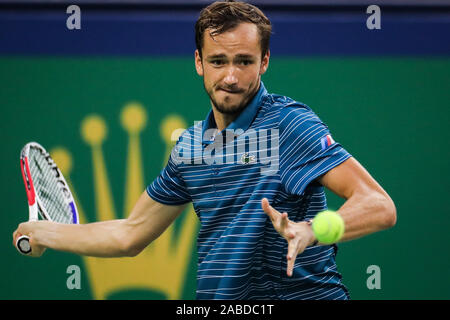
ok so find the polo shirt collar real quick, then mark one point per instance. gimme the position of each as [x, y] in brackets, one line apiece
[243, 121]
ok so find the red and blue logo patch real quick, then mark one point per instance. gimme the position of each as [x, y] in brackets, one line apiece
[326, 142]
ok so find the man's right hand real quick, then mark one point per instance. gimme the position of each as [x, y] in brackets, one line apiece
[26, 229]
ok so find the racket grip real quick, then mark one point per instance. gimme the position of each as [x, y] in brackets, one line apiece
[23, 245]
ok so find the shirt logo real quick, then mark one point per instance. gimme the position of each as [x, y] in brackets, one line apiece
[326, 142]
[247, 159]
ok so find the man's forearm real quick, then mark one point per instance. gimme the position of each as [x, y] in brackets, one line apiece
[114, 238]
[364, 214]
[100, 239]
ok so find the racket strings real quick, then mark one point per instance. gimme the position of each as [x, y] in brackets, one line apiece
[48, 188]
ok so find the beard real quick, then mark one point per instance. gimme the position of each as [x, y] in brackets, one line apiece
[227, 108]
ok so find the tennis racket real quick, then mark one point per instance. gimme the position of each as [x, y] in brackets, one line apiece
[48, 193]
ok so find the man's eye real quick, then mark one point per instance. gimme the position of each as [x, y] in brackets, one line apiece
[246, 62]
[217, 62]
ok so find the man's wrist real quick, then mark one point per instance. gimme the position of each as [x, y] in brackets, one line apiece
[315, 241]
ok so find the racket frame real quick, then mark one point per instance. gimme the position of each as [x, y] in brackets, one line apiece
[34, 203]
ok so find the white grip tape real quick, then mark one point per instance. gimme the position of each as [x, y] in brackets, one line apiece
[23, 245]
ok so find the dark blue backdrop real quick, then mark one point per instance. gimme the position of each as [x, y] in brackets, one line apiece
[156, 30]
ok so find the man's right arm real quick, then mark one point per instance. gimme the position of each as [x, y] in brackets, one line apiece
[113, 238]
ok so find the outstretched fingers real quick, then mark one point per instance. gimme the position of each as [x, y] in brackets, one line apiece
[279, 220]
[290, 231]
[284, 221]
[269, 210]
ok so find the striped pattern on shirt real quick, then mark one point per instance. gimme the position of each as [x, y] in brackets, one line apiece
[240, 254]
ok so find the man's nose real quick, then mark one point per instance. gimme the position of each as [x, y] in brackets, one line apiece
[231, 77]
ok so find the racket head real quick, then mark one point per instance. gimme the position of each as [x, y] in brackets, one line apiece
[46, 187]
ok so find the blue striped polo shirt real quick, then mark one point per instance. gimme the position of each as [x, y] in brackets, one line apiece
[275, 149]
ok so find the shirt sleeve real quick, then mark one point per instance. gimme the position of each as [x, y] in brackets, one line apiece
[169, 187]
[307, 149]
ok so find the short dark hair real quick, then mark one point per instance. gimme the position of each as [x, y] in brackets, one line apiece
[222, 16]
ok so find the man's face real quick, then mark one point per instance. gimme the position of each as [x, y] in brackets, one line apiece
[231, 67]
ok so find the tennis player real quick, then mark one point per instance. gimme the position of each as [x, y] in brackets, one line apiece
[255, 240]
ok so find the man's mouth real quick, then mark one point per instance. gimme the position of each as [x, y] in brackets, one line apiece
[231, 91]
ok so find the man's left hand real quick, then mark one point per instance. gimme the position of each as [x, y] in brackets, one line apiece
[299, 235]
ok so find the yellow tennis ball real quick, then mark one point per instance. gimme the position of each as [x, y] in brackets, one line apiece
[328, 227]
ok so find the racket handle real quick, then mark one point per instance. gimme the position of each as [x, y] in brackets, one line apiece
[23, 245]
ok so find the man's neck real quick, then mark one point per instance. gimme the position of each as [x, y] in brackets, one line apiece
[223, 120]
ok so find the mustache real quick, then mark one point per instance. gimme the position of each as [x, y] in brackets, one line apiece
[232, 89]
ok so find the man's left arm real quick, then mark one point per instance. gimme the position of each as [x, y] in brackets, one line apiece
[368, 208]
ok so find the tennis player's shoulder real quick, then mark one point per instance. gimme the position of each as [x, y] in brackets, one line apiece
[288, 107]
[187, 136]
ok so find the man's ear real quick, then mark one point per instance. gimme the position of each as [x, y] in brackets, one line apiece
[264, 63]
[198, 63]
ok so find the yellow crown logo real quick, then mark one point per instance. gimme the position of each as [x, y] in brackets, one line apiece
[163, 265]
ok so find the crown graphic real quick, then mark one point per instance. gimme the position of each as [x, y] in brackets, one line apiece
[163, 265]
